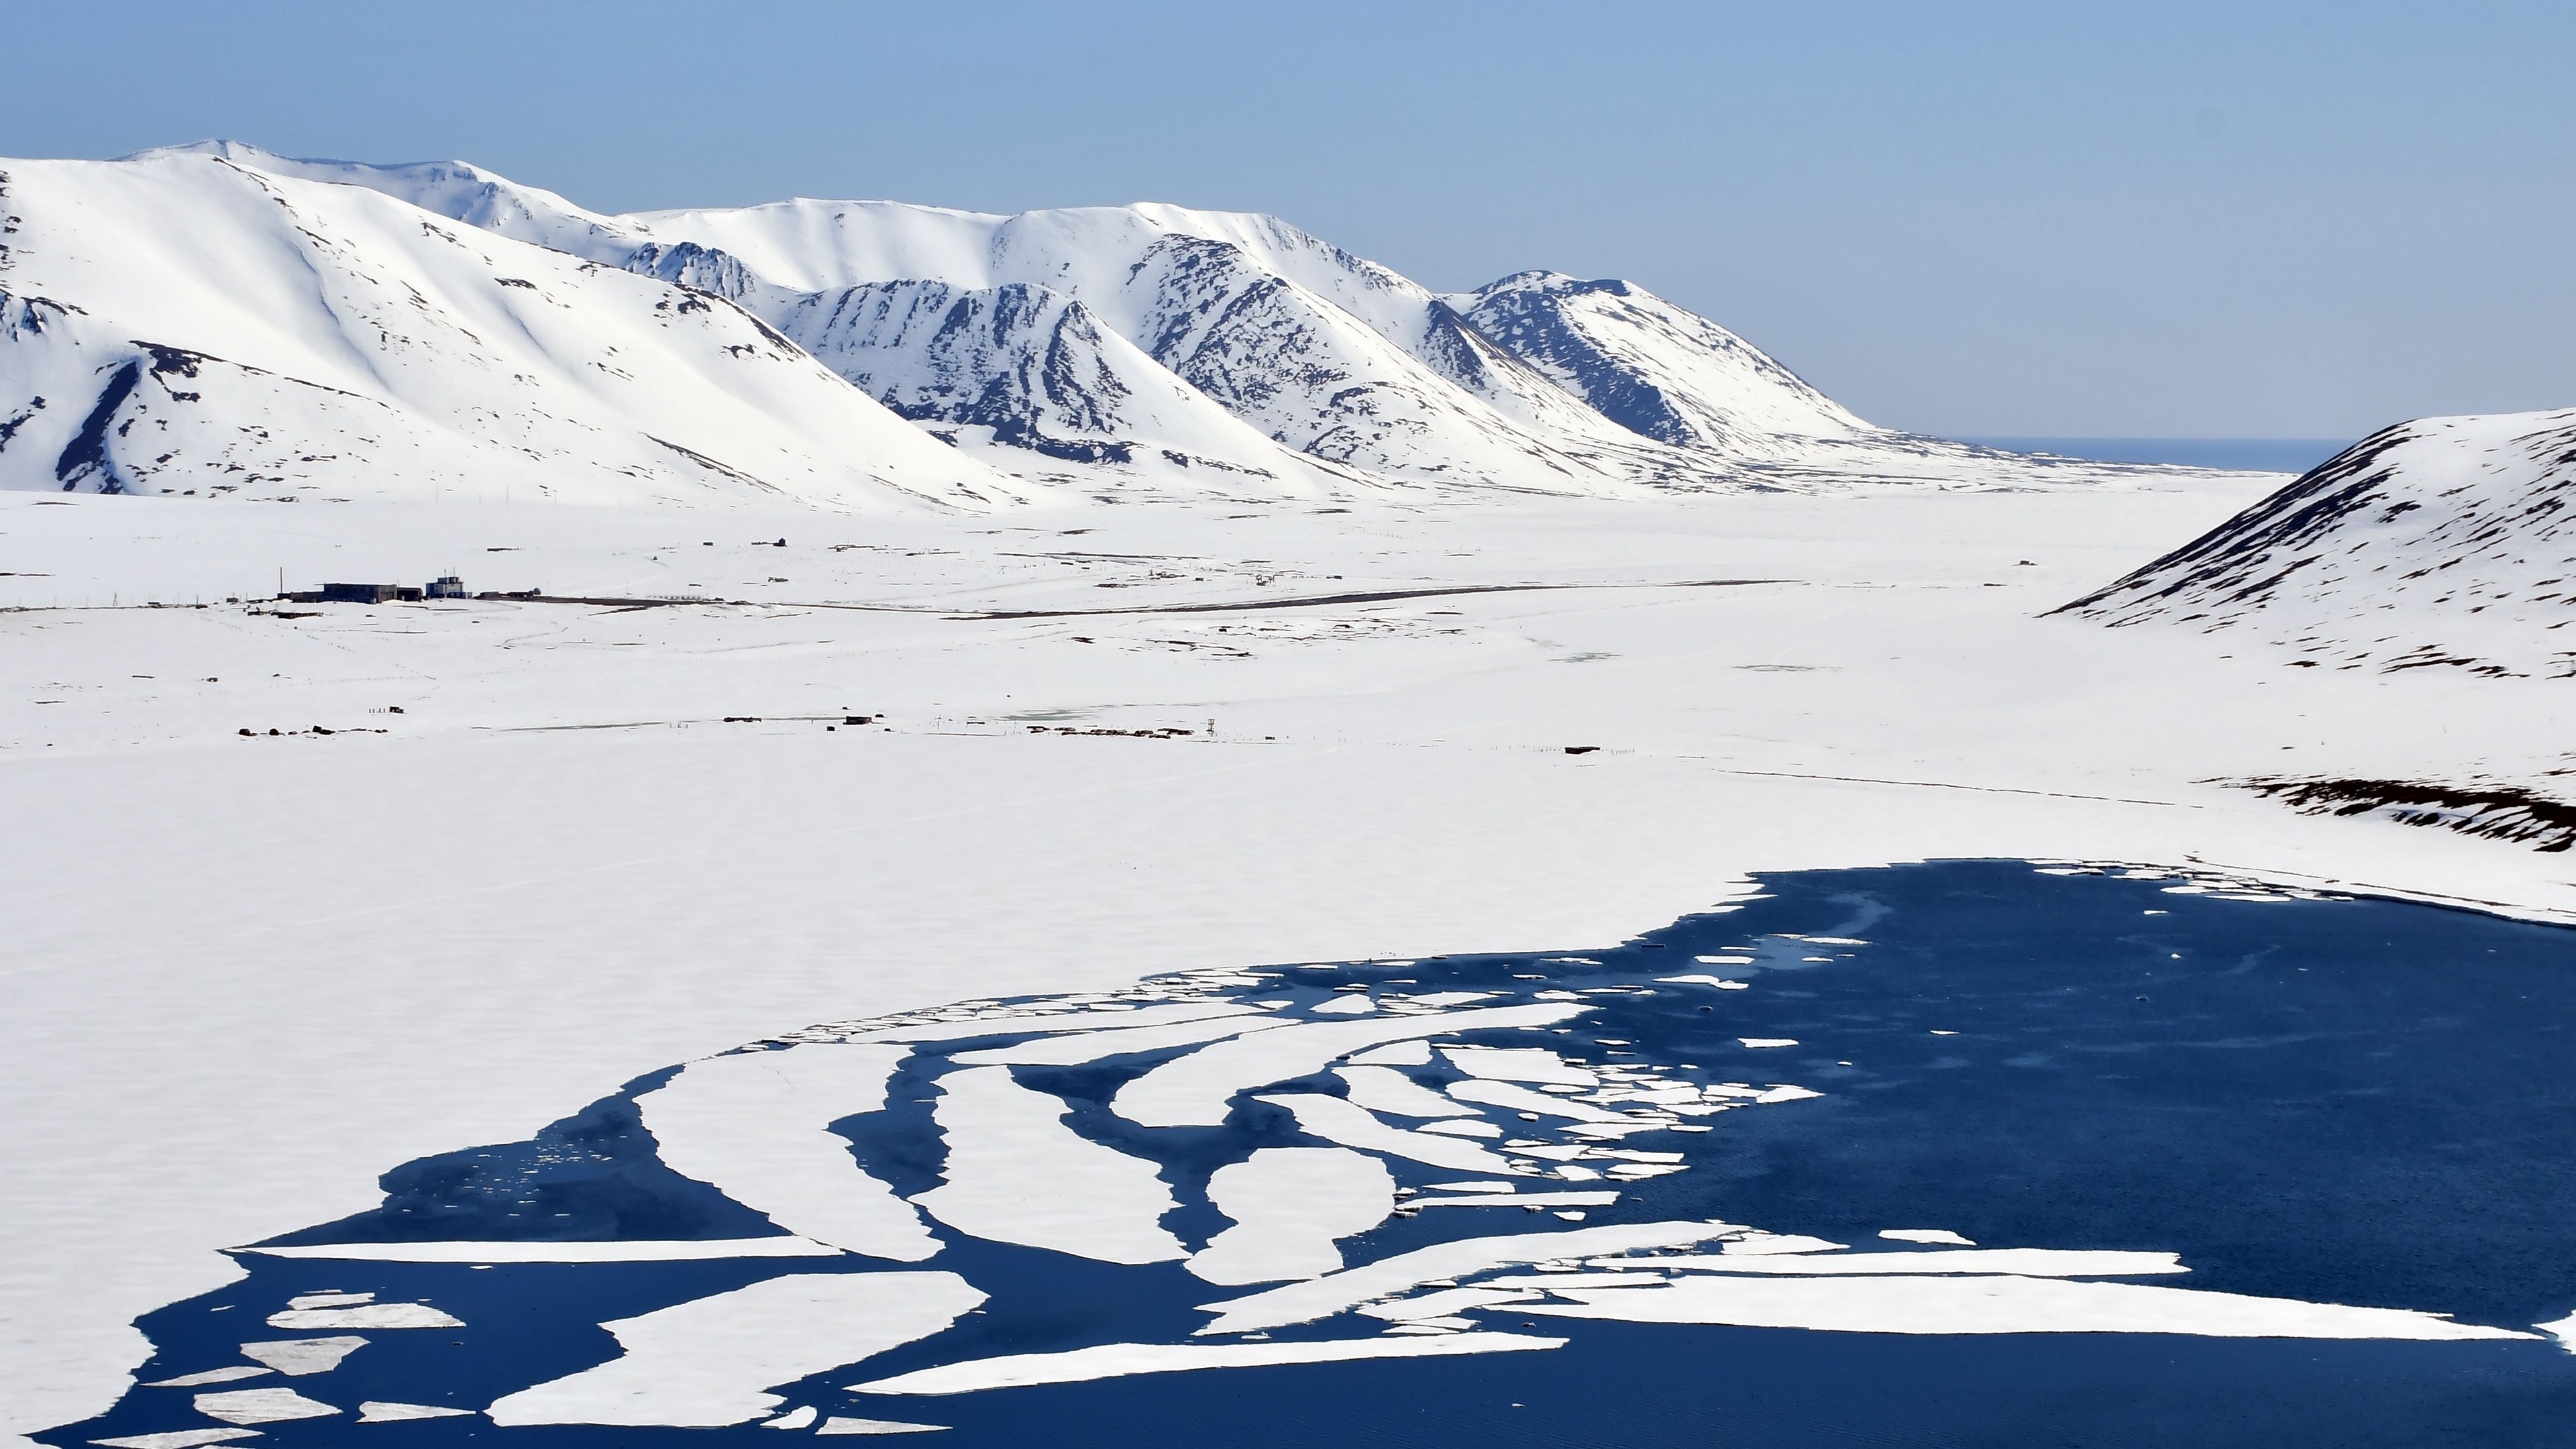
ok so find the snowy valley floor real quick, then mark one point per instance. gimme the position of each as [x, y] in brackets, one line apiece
[246, 974]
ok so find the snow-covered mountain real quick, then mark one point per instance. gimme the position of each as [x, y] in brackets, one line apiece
[1130, 351]
[2443, 542]
[184, 324]
[1653, 368]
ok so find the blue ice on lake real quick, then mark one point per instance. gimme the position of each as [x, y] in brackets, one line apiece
[1968, 1152]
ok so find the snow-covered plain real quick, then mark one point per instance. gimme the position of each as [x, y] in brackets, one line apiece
[249, 972]
[1522, 619]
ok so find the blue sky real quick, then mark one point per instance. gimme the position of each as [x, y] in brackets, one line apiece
[2179, 219]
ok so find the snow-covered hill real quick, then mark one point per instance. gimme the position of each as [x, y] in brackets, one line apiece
[2443, 542]
[183, 324]
[1135, 351]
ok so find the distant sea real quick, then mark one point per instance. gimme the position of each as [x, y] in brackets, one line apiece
[2270, 455]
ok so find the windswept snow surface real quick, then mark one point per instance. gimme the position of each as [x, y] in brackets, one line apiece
[2441, 544]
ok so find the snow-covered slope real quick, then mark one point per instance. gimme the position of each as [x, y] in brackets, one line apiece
[1652, 367]
[458, 190]
[1319, 350]
[1091, 350]
[181, 323]
[1537, 381]
[2439, 542]
[1021, 369]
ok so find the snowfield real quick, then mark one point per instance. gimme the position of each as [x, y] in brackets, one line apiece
[247, 972]
[967, 606]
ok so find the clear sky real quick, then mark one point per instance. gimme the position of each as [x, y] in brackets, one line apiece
[2065, 218]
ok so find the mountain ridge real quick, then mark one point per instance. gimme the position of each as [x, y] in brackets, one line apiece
[1135, 352]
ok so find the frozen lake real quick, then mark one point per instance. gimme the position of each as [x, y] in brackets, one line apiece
[1950, 1153]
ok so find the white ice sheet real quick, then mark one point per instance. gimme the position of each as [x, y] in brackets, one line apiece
[627, 1251]
[296, 1357]
[1017, 1174]
[1384, 1089]
[1290, 1205]
[1118, 1360]
[1090, 1046]
[1999, 1305]
[387, 1411]
[1322, 1297]
[1519, 1064]
[751, 1124]
[261, 1406]
[365, 1315]
[1192, 1090]
[2025, 1262]
[1337, 1120]
[704, 1363]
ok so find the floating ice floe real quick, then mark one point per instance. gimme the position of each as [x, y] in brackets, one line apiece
[1368, 1282]
[386, 1411]
[1017, 1174]
[1414, 1053]
[1519, 1064]
[296, 1357]
[1523, 1199]
[232, 1374]
[1945, 1305]
[1702, 978]
[2020, 1262]
[1193, 1090]
[1075, 1048]
[1291, 1206]
[707, 1362]
[1384, 1089]
[1469, 1127]
[1416, 1107]
[622, 1250]
[366, 1315]
[752, 1125]
[178, 1439]
[1444, 1303]
[1119, 1360]
[261, 1406]
[1756, 1243]
[1522, 1099]
[2564, 1330]
[1336, 1120]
